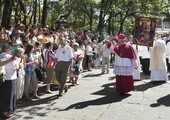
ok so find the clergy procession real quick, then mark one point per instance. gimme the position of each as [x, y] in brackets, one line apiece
[84, 59]
[58, 57]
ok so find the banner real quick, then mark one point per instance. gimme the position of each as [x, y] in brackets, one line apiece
[144, 31]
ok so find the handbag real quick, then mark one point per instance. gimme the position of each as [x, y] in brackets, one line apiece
[2, 75]
[50, 63]
[55, 81]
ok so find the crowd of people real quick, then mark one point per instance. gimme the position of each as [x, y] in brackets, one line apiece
[31, 55]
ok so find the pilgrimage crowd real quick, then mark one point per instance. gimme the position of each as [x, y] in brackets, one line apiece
[31, 55]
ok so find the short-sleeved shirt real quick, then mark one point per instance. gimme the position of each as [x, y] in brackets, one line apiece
[64, 53]
[10, 68]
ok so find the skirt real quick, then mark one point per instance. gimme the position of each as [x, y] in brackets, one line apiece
[8, 96]
[124, 84]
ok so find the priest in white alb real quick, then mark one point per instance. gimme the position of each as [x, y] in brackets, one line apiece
[158, 60]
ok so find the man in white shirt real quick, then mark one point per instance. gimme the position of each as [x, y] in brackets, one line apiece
[89, 54]
[145, 59]
[106, 53]
[64, 57]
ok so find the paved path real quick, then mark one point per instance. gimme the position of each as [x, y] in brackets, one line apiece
[95, 99]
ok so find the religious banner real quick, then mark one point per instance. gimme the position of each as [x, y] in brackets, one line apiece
[144, 31]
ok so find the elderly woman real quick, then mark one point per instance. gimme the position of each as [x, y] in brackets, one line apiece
[77, 61]
[8, 87]
[19, 53]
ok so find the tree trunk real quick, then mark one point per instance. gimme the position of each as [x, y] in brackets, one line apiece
[35, 12]
[39, 11]
[23, 9]
[112, 26]
[122, 19]
[121, 24]
[84, 19]
[6, 15]
[16, 14]
[1, 8]
[44, 13]
[91, 16]
[109, 23]
[100, 24]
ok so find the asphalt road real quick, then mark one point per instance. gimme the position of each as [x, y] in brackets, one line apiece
[95, 99]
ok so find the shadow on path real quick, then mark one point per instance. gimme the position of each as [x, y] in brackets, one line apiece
[144, 87]
[109, 94]
[162, 101]
[34, 110]
[92, 75]
[112, 78]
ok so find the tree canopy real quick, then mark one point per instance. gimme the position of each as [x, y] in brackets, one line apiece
[111, 16]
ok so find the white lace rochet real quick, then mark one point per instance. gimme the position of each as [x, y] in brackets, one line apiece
[124, 66]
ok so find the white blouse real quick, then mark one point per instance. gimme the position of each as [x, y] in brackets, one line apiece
[10, 68]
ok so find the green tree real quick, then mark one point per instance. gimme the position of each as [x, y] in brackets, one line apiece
[102, 15]
[7, 10]
[44, 13]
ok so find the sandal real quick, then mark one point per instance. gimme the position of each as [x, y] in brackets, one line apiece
[49, 92]
[28, 99]
[36, 97]
[6, 115]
